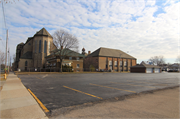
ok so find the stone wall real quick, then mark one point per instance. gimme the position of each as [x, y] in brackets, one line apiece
[22, 66]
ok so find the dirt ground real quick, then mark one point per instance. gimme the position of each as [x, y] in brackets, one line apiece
[160, 104]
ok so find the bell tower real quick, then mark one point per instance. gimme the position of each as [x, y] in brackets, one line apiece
[83, 51]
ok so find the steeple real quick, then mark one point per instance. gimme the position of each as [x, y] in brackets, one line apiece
[83, 51]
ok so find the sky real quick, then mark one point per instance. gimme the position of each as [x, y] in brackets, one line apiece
[142, 28]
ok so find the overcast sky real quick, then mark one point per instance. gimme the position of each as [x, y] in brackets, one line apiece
[144, 28]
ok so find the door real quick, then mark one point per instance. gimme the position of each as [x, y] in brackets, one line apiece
[148, 70]
[156, 70]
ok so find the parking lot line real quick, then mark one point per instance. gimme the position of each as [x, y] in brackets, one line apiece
[40, 103]
[112, 88]
[38, 78]
[134, 85]
[82, 92]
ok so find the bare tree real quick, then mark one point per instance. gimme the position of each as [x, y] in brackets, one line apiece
[178, 59]
[159, 60]
[8, 1]
[65, 42]
[2, 57]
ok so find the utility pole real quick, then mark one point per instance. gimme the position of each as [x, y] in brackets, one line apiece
[0, 63]
[8, 60]
[6, 50]
[10, 64]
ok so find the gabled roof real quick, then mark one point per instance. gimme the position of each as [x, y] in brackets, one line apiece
[43, 32]
[27, 55]
[66, 52]
[29, 38]
[107, 52]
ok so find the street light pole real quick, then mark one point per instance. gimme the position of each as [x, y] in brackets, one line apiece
[0, 62]
[8, 61]
[6, 51]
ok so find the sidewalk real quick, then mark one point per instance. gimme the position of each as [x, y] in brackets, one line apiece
[17, 102]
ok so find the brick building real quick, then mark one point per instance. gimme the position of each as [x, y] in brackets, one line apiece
[31, 55]
[104, 59]
[71, 58]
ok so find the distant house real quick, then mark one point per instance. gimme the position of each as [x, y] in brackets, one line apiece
[174, 67]
[71, 58]
[164, 67]
[145, 68]
[106, 59]
[147, 62]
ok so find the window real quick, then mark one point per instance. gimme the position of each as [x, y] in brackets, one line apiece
[26, 63]
[29, 44]
[77, 58]
[110, 62]
[125, 63]
[70, 58]
[77, 65]
[120, 63]
[49, 46]
[54, 64]
[115, 63]
[110, 65]
[40, 46]
[45, 46]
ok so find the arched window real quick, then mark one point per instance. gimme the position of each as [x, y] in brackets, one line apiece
[26, 63]
[49, 46]
[40, 46]
[45, 46]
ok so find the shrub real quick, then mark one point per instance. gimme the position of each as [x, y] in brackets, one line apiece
[92, 68]
[66, 68]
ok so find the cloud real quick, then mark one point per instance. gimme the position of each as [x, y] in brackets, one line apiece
[135, 26]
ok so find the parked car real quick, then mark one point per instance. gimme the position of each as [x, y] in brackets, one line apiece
[173, 70]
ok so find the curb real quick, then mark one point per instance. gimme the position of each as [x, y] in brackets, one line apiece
[24, 73]
[64, 110]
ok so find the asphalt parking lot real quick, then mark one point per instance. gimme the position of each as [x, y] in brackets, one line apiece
[63, 90]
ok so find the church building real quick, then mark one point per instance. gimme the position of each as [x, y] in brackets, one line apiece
[31, 55]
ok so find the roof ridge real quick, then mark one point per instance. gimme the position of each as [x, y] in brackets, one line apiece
[110, 53]
[43, 31]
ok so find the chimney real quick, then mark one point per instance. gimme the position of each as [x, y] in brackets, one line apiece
[89, 52]
[61, 47]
